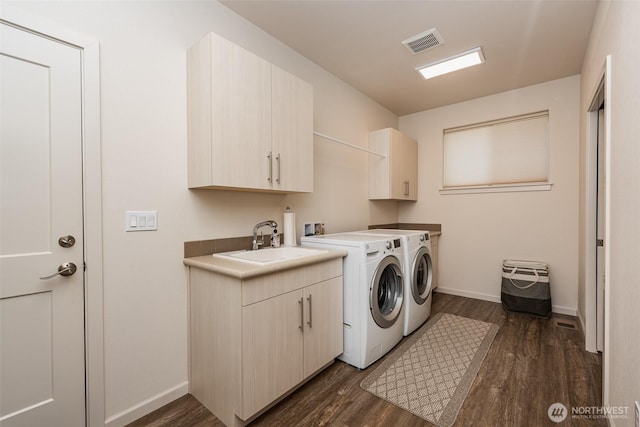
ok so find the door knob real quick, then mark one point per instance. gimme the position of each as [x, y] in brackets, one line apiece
[65, 269]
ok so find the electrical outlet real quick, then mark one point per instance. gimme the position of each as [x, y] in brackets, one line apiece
[637, 414]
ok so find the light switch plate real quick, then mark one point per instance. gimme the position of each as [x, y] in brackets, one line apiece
[141, 220]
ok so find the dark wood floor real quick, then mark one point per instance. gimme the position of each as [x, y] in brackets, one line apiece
[531, 364]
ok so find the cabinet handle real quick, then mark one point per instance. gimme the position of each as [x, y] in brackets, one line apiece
[406, 188]
[278, 176]
[301, 326]
[310, 322]
[270, 167]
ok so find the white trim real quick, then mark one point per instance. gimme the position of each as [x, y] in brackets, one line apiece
[581, 320]
[147, 406]
[94, 334]
[590, 234]
[46, 27]
[93, 236]
[496, 298]
[498, 188]
[590, 224]
[606, 368]
[569, 311]
[467, 294]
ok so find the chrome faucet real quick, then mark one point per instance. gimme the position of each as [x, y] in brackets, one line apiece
[255, 243]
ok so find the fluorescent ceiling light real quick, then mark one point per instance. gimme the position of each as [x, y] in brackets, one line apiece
[458, 62]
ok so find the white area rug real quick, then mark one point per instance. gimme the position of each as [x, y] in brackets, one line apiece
[431, 373]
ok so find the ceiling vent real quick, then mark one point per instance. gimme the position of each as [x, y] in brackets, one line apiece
[423, 41]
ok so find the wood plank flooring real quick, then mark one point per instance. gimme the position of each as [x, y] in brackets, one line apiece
[531, 364]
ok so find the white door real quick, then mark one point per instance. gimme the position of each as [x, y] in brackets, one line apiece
[41, 320]
[600, 233]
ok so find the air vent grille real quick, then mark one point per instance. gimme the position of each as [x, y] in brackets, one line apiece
[564, 323]
[423, 41]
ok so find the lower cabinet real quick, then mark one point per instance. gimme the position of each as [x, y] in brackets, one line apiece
[282, 328]
[286, 339]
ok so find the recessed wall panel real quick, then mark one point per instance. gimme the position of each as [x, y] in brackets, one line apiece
[25, 193]
[25, 352]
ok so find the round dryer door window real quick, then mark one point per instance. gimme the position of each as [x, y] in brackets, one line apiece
[422, 276]
[386, 292]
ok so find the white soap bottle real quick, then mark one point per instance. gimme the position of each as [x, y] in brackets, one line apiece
[275, 239]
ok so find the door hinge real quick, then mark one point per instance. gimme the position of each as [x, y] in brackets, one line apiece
[84, 266]
[599, 242]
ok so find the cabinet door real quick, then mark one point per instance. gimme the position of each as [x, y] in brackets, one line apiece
[272, 343]
[380, 167]
[292, 140]
[399, 164]
[404, 171]
[241, 116]
[394, 177]
[229, 109]
[323, 330]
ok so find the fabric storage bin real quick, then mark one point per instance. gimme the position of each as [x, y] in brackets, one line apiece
[525, 288]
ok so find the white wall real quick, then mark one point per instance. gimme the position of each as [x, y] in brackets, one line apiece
[616, 33]
[144, 158]
[480, 230]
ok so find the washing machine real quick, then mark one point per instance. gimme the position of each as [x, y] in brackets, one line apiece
[418, 273]
[373, 293]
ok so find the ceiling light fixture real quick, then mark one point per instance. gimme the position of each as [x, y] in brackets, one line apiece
[454, 63]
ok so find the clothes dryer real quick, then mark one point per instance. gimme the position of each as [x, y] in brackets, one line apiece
[418, 273]
[373, 293]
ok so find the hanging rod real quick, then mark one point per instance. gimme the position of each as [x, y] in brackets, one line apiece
[330, 138]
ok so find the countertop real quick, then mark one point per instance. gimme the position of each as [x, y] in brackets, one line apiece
[244, 270]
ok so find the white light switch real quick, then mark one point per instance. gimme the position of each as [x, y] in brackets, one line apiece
[141, 220]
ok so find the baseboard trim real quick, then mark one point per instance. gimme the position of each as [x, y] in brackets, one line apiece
[147, 406]
[581, 323]
[496, 298]
[467, 294]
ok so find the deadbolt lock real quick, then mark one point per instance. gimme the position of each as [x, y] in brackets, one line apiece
[67, 241]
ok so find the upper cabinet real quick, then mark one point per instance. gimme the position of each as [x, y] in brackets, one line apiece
[250, 123]
[394, 177]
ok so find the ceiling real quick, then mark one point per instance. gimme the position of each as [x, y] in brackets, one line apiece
[525, 42]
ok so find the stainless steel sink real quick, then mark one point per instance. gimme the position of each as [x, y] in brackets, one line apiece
[270, 255]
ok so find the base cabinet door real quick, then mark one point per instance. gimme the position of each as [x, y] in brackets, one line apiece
[323, 335]
[272, 359]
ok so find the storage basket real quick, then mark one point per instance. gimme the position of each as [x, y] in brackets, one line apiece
[525, 288]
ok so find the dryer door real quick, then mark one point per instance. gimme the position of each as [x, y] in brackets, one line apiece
[386, 295]
[422, 276]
